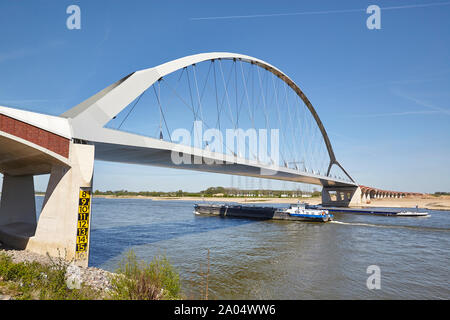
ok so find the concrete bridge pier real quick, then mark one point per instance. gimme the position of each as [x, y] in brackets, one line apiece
[341, 196]
[17, 210]
[63, 228]
[363, 198]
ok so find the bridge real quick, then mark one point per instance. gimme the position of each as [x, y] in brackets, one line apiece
[169, 107]
[368, 193]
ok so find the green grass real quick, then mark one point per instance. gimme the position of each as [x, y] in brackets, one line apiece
[32, 280]
[135, 280]
[138, 280]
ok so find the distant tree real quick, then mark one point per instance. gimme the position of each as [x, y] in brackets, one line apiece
[440, 193]
[316, 194]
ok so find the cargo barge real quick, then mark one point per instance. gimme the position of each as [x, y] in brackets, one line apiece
[294, 212]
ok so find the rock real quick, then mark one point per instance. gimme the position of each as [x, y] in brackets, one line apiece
[5, 297]
[73, 276]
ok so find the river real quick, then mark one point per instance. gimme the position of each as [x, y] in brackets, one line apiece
[252, 259]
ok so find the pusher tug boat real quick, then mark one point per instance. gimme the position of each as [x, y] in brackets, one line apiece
[302, 212]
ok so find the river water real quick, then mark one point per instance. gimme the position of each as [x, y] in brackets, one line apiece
[252, 259]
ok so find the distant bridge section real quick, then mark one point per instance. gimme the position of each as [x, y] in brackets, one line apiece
[368, 193]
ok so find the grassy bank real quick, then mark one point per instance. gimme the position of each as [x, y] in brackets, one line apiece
[138, 280]
[33, 280]
[134, 280]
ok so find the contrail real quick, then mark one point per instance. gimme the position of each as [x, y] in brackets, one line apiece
[279, 14]
[405, 113]
[321, 12]
[420, 102]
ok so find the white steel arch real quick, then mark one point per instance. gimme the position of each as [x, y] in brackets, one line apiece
[99, 109]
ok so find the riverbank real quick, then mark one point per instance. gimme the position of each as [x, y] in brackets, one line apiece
[423, 202]
[26, 275]
[97, 281]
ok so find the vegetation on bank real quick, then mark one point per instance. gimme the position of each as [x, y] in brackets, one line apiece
[139, 280]
[441, 194]
[134, 280]
[32, 280]
[213, 192]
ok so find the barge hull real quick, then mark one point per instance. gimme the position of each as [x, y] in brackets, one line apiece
[261, 213]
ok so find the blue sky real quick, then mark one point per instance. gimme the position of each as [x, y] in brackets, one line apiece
[383, 95]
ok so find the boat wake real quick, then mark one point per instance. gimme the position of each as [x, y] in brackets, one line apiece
[358, 224]
[390, 226]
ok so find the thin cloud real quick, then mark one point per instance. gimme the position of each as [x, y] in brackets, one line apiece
[30, 104]
[29, 101]
[30, 51]
[16, 103]
[20, 53]
[433, 108]
[318, 12]
[393, 114]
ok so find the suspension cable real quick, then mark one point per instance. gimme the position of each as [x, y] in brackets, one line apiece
[161, 110]
[139, 98]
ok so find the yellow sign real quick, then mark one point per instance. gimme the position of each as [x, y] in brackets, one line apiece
[84, 209]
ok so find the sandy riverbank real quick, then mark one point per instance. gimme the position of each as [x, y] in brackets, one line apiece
[423, 202]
